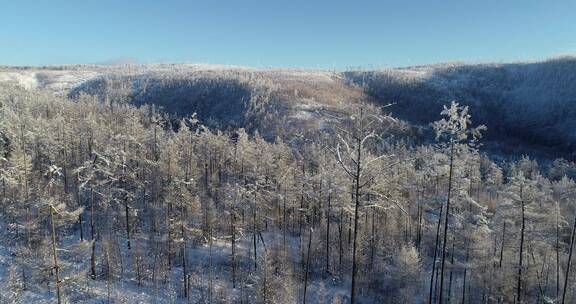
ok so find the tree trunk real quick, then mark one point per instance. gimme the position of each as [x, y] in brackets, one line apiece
[169, 239]
[127, 214]
[108, 270]
[284, 223]
[450, 276]
[254, 227]
[445, 238]
[300, 213]
[356, 207]
[569, 262]
[80, 220]
[340, 240]
[465, 272]
[520, 258]
[307, 271]
[233, 233]
[138, 261]
[56, 267]
[419, 232]
[210, 276]
[328, 232]
[557, 250]
[183, 235]
[373, 238]
[93, 237]
[81, 228]
[502, 246]
[435, 255]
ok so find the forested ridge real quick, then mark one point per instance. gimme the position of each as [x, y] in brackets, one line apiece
[105, 200]
[528, 105]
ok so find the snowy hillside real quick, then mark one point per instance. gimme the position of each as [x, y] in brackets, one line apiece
[528, 105]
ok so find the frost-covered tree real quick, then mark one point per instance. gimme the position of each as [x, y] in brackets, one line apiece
[455, 129]
[352, 152]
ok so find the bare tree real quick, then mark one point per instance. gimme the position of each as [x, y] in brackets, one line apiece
[352, 152]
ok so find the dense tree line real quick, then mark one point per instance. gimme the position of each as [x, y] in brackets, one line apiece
[101, 193]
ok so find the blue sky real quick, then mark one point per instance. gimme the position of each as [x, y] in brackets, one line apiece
[314, 34]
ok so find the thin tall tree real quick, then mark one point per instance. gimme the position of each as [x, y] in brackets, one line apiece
[455, 129]
[353, 155]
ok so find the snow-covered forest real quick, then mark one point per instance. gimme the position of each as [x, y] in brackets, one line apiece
[192, 184]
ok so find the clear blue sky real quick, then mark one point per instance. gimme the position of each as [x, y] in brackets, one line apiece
[325, 34]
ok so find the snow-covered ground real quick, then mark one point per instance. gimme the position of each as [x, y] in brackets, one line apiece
[205, 264]
[55, 80]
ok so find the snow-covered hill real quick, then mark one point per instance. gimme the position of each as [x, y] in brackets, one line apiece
[527, 107]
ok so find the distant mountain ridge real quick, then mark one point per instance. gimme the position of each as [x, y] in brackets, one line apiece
[527, 107]
[533, 103]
